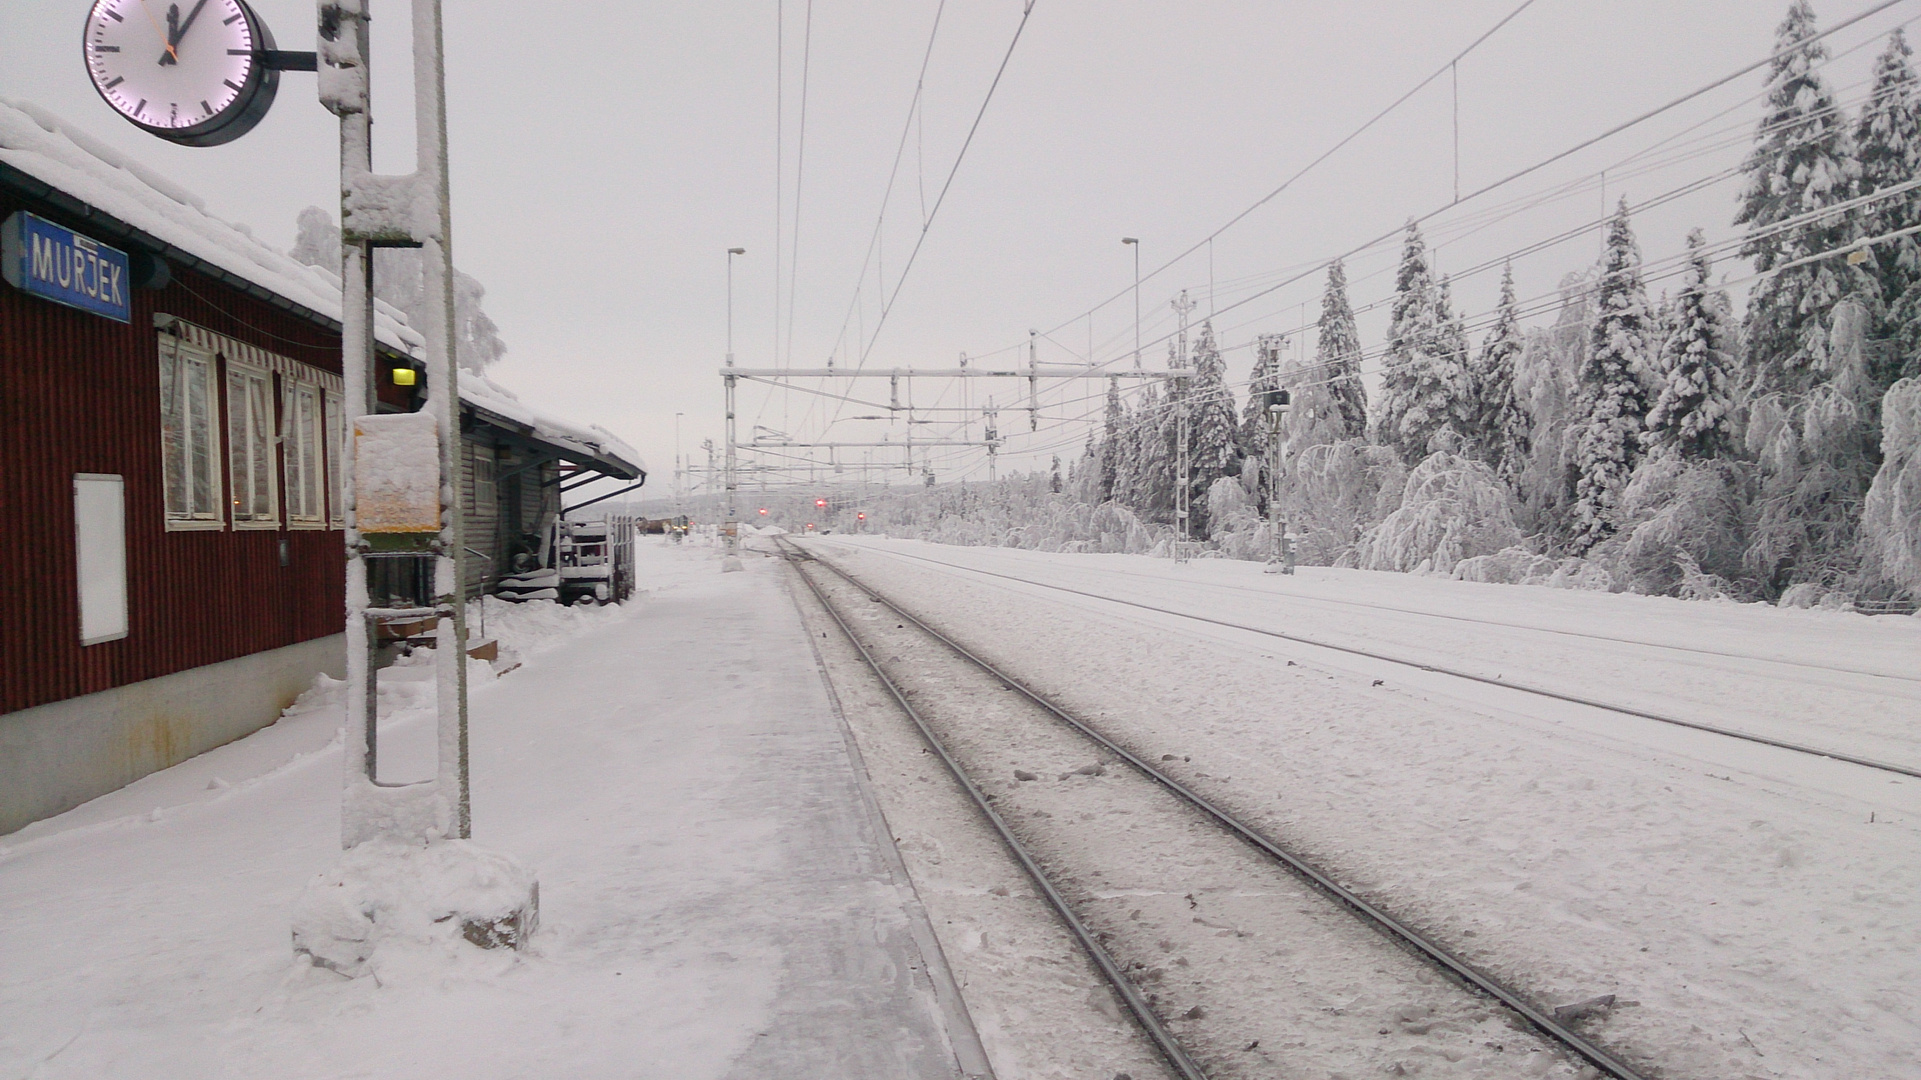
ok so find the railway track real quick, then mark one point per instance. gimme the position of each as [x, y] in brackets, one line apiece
[1436, 669]
[1150, 877]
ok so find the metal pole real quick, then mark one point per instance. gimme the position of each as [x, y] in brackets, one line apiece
[443, 400]
[348, 30]
[370, 808]
[1278, 527]
[1136, 245]
[732, 526]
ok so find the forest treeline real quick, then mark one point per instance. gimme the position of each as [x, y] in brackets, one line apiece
[1671, 446]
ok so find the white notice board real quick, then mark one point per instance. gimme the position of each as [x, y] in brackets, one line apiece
[100, 542]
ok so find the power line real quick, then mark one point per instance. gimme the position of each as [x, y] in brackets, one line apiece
[907, 128]
[1326, 154]
[800, 172]
[1027, 10]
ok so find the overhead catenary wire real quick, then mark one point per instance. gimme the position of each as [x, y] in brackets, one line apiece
[800, 173]
[1661, 154]
[1027, 11]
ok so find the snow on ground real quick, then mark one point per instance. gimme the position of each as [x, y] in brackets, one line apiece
[1757, 907]
[715, 901]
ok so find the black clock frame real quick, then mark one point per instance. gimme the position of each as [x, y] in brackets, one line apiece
[248, 107]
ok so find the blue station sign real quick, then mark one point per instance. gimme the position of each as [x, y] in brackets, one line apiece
[58, 264]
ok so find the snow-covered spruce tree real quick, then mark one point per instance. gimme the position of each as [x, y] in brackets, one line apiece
[1110, 446]
[1891, 519]
[1888, 141]
[1815, 450]
[1803, 160]
[1337, 353]
[1499, 429]
[1213, 443]
[1424, 387]
[1268, 350]
[1456, 363]
[1611, 407]
[1887, 138]
[1694, 413]
[1413, 334]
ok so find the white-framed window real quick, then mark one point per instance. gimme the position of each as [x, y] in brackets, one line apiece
[100, 555]
[189, 450]
[250, 443]
[336, 437]
[486, 493]
[300, 437]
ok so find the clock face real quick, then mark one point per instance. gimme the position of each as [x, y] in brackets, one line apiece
[186, 71]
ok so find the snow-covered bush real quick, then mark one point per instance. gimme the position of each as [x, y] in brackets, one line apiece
[1508, 566]
[1682, 528]
[1891, 518]
[1334, 494]
[1452, 508]
[1813, 450]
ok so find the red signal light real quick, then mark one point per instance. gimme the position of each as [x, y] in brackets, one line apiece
[763, 511]
[861, 516]
[820, 503]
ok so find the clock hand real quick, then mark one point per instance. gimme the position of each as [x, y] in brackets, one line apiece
[155, 23]
[185, 25]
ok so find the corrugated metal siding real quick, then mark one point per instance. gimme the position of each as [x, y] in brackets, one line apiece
[481, 515]
[79, 393]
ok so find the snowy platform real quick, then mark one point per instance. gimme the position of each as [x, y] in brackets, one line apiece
[718, 896]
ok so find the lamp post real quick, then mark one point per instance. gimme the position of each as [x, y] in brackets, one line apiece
[732, 528]
[731, 252]
[1134, 242]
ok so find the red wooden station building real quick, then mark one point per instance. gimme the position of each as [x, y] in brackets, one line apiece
[170, 421]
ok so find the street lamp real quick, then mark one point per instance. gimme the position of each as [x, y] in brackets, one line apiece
[731, 252]
[1135, 243]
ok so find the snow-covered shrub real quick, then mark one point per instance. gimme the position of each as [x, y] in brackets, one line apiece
[1891, 517]
[1333, 494]
[1814, 449]
[1582, 574]
[1681, 525]
[1508, 566]
[1238, 531]
[1452, 508]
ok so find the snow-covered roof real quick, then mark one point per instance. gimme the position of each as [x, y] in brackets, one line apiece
[175, 220]
[489, 397]
[176, 223]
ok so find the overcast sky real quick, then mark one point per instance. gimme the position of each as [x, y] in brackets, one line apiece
[606, 154]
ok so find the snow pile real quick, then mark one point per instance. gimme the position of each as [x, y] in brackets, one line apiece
[387, 903]
[530, 627]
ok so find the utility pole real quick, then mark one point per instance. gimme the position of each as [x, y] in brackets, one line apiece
[993, 437]
[732, 527]
[1182, 494]
[1135, 243]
